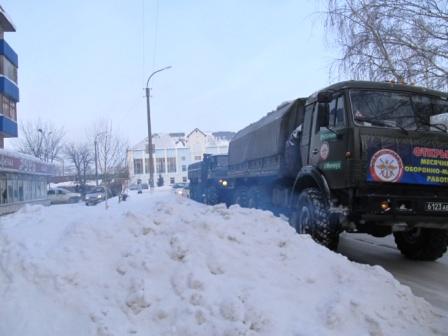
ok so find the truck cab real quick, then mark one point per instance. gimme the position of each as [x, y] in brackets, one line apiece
[376, 155]
[208, 179]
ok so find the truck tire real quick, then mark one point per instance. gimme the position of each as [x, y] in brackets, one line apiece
[212, 195]
[311, 216]
[257, 198]
[422, 244]
[240, 196]
[193, 193]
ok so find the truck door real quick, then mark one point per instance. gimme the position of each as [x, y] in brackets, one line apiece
[315, 142]
[329, 145]
[306, 134]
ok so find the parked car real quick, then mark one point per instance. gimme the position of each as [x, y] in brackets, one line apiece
[61, 195]
[138, 186]
[96, 195]
[181, 189]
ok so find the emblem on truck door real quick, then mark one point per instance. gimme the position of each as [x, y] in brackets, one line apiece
[386, 166]
[324, 150]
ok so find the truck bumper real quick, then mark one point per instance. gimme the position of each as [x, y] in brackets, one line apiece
[416, 208]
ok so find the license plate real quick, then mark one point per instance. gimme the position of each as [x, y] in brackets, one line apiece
[436, 206]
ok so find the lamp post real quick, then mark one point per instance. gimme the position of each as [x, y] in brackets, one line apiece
[44, 138]
[148, 112]
[96, 162]
[95, 142]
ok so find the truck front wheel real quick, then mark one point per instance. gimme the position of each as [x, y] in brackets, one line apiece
[212, 195]
[311, 215]
[422, 244]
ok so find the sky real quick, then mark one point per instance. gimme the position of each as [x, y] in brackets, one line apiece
[81, 61]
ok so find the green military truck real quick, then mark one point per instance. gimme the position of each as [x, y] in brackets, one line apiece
[357, 156]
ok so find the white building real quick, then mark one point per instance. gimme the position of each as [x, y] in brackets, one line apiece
[173, 152]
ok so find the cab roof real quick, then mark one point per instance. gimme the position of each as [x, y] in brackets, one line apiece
[354, 84]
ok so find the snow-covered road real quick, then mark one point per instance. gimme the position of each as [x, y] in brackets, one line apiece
[426, 279]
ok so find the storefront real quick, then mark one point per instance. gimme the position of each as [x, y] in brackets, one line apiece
[23, 180]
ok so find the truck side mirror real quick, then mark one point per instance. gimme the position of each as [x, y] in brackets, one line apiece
[323, 115]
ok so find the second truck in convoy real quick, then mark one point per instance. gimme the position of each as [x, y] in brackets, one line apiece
[357, 156]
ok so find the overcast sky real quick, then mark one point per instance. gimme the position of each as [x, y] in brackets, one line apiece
[233, 61]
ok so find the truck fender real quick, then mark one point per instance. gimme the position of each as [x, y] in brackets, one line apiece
[310, 176]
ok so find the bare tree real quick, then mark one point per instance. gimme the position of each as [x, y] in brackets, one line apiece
[402, 40]
[111, 149]
[41, 140]
[81, 156]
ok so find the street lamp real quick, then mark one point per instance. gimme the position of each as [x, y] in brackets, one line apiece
[95, 142]
[148, 112]
[45, 140]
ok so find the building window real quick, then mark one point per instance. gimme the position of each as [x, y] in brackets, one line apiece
[198, 158]
[172, 180]
[183, 158]
[8, 69]
[171, 164]
[138, 166]
[160, 165]
[184, 168]
[184, 179]
[146, 166]
[8, 107]
[20, 188]
[3, 191]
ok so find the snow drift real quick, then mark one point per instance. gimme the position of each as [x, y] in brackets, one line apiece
[163, 265]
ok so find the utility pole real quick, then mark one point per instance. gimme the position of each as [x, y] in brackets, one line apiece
[148, 114]
[95, 142]
[96, 162]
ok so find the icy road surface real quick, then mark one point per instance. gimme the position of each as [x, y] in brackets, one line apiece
[426, 279]
[164, 265]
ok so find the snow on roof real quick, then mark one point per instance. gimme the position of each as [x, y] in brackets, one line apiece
[213, 141]
[163, 141]
[166, 265]
[19, 155]
[180, 140]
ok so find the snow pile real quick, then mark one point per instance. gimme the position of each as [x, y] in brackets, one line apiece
[163, 265]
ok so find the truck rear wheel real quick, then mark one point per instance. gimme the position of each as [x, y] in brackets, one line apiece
[422, 244]
[257, 198]
[240, 196]
[310, 215]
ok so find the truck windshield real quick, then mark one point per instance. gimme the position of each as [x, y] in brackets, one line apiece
[399, 109]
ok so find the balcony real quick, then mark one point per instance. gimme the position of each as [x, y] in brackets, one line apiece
[8, 128]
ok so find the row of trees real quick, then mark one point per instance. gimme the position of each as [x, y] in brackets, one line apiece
[402, 40]
[47, 142]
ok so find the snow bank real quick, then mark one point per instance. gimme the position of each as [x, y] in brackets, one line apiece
[163, 265]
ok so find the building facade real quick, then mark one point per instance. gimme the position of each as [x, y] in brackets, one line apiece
[23, 178]
[172, 153]
[9, 91]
